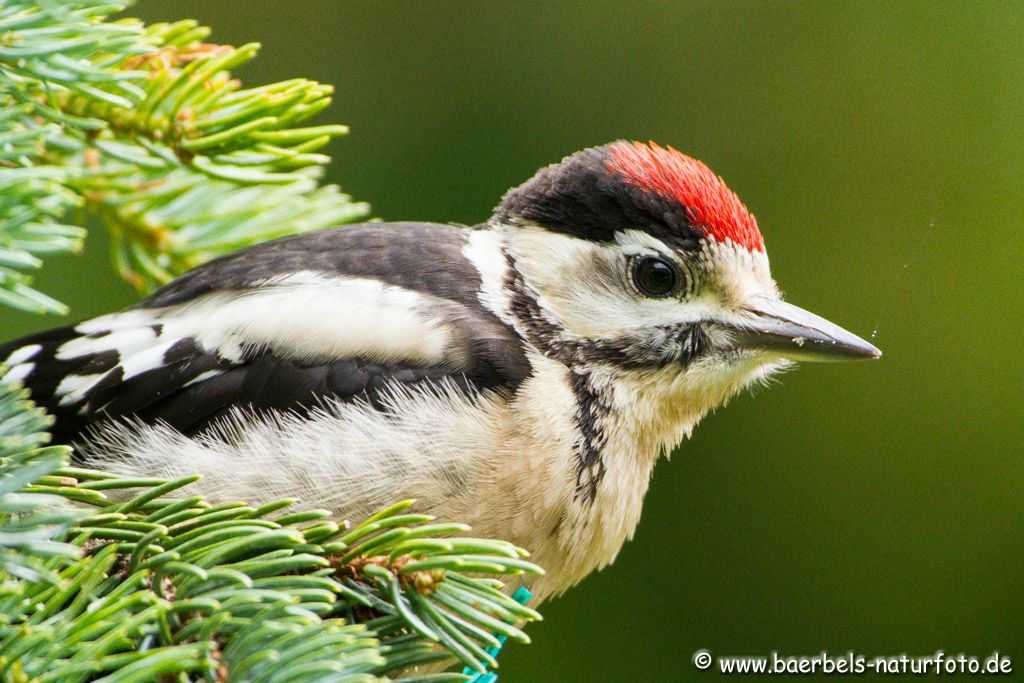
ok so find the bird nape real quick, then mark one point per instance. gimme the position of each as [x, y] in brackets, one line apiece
[522, 375]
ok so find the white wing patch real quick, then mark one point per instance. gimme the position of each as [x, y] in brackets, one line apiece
[73, 388]
[17, 367]
[145, 360]
[18, 372]
[304, 316]
[113, 322]
[124, 340]
[307, 316]
[23, 354]
[202, 377]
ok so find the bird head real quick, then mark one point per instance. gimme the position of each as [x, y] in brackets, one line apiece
[637, 257]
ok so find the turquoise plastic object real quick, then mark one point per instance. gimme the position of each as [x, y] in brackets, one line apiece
[522, 596]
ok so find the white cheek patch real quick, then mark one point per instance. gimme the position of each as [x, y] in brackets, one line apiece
[585, 286]
[573, 279]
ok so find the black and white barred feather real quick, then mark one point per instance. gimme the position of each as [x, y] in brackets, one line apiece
[340, 315]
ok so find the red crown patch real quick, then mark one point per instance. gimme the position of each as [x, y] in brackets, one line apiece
[709, 203]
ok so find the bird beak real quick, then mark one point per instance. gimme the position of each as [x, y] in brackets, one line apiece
[791, 332]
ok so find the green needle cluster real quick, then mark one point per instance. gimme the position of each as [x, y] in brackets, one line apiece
[145, 128]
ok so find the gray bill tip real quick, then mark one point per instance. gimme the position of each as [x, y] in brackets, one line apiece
[792, 332]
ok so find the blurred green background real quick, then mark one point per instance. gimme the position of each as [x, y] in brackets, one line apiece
[874, 507]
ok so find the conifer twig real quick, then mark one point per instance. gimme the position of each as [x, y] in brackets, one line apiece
[146, 128]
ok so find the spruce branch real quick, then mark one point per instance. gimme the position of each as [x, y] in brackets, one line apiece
[173, 585]
[146, 128]
[29, 522]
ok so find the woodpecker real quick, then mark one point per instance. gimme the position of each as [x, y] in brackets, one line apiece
[522, 375]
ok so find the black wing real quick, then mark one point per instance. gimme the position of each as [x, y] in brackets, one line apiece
[142, 363]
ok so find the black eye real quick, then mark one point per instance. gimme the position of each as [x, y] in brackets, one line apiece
[654, 276]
